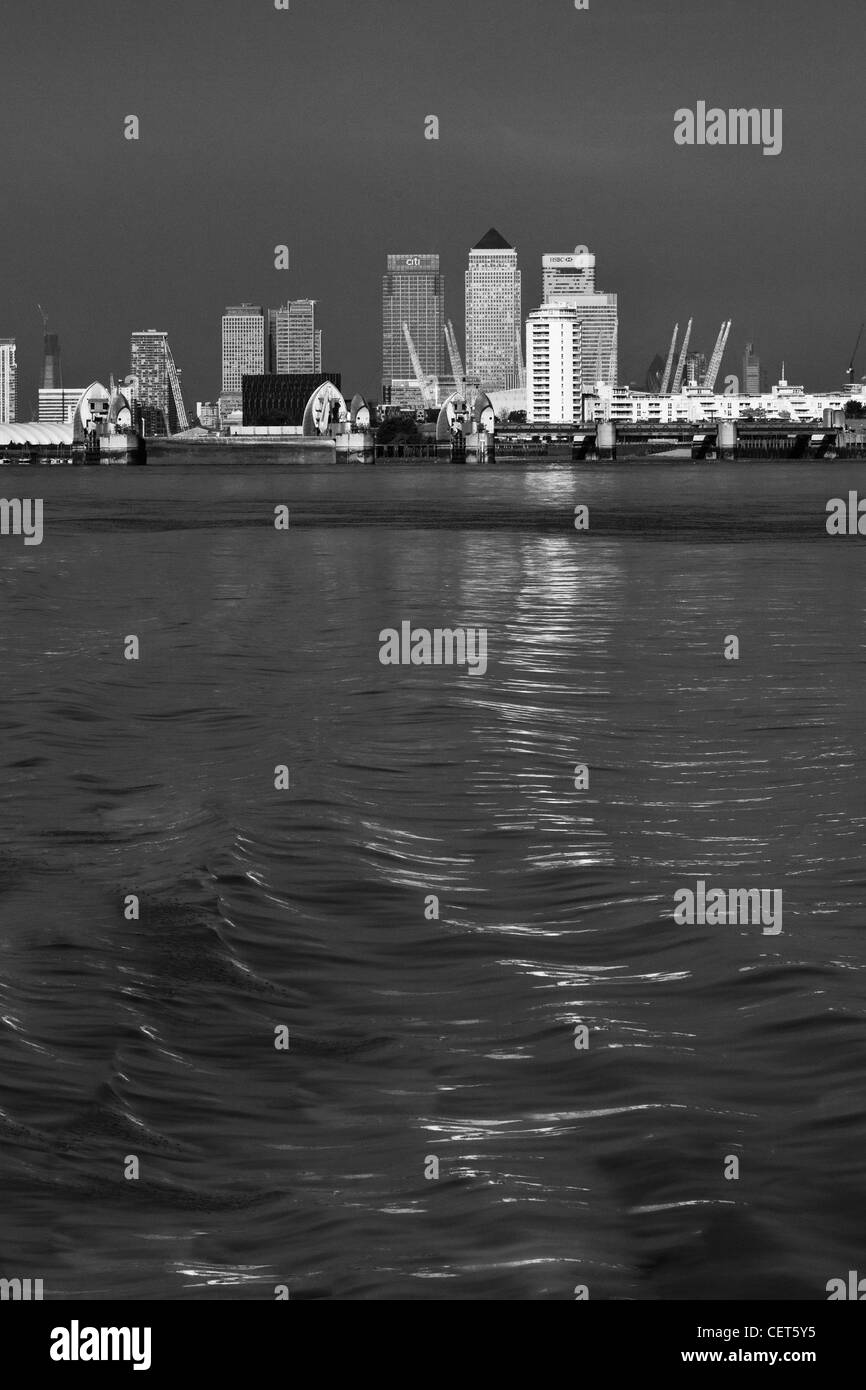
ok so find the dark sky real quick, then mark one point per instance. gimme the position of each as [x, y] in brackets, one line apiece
[306, 127]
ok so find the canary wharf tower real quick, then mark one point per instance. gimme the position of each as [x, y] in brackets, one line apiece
[494, 325]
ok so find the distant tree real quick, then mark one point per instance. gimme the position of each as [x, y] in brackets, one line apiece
[398, 429]
[855, 410]
[517, 417]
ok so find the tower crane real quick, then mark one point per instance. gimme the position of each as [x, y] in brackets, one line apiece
[425, 383]
[718, 354]
[681, 365]
[669, 365]
[849, 374]
[456, 360]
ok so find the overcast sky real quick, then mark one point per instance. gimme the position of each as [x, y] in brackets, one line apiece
[306, 127]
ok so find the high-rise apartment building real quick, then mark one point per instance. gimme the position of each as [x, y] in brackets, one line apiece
[413, 293]
[494, 325]
[294, 341]
[8, 381]
[156, 384]
[554, 366]
[569, 281]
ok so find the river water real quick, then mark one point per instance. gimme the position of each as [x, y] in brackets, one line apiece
[148, 1045]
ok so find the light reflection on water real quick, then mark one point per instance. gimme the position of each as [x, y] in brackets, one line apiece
[416, 1035]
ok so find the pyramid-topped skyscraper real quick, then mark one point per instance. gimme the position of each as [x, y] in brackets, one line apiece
[494, 324]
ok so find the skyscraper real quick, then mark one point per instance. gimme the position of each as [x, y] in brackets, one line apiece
[571, 273]
[243, 345]
[696, 368]
[554, 366]
[156, 387]
[294, 341]
[494, 326]
[569, 281]
[413, 292]
[51, 377]
[752, 381]
[8, 381]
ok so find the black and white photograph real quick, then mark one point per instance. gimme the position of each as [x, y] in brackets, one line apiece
[433, 640]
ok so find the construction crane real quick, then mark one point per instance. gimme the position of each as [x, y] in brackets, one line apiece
[174, 382]
[718, 354]
[681, 365]
[669, 365]
[426, 383]
[849, 374]
[456, 360]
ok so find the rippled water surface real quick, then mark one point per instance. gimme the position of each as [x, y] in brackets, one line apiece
[412, 1037]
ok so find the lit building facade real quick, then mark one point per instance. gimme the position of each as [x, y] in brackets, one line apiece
[8, 382]
[494, 324]
[57, 404]
[571, 273]
[413, 292]
[554, 366]
[243, 345]
[156, 383]
[569, 281]
[294, 340]
[784, 403]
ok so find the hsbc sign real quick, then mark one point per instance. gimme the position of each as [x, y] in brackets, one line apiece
[574, 261]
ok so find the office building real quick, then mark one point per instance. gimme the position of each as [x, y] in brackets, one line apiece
[57, 404]
[494, 325]
[554, 366]
[413, 293]
[156, 383]
[752, 383]
[571, 273]
[243, 344]
[569, 281]
[8, 381]
[294, 341]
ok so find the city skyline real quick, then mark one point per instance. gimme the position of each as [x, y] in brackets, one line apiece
[213, 184]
